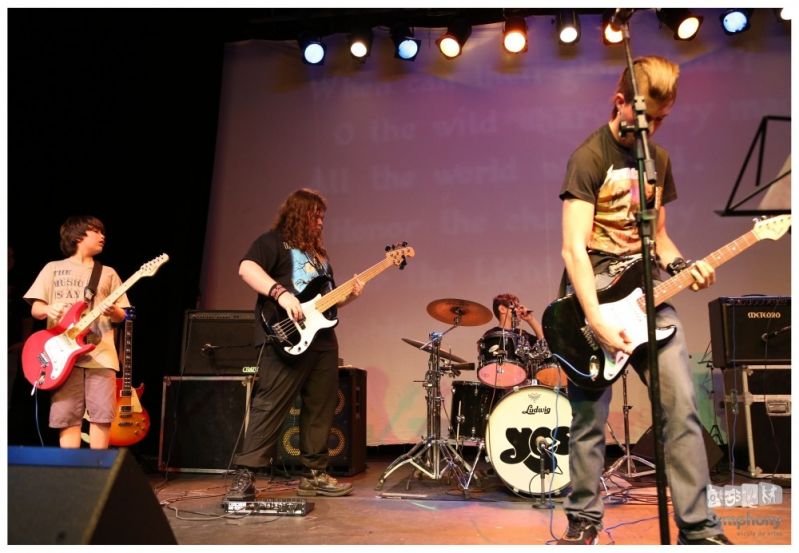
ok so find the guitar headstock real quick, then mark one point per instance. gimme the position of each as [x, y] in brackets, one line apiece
[130, 313]
[149, 268]
[772, 228]
[398, 253]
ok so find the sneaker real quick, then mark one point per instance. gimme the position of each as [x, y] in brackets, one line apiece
[580, 532]
[321, 483]
[717, 539]
[242, 486]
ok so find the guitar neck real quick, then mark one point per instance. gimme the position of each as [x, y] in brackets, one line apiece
[676, 284]
[127, 363]
[341, 292]
[87, 319]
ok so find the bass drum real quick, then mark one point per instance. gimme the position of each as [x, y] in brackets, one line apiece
[526, 426]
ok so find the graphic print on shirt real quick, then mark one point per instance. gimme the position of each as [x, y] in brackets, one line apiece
[304, 270]
[615, 229]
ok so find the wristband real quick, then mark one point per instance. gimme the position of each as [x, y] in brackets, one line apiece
[276, 291]
[272, 289]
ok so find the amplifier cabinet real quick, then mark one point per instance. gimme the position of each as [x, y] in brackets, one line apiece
[201, 419]
[750, 330]
[219, 343]
[758, 412]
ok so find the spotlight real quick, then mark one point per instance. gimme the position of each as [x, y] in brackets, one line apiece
[568, 27]
[451, 43]
[514, 35]
[680, 20]
[610, 34]
[784, 14]
[735, 21]
[405, 46]
[361, 43]
[313, 51]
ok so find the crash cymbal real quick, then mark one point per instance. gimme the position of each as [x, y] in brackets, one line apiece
[448, 310]
[429, 347]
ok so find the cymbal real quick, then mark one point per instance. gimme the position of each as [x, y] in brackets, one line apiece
[448, 310]
[429, 347]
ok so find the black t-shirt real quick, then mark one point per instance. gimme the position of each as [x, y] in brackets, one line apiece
[294, 269]
[604, 173]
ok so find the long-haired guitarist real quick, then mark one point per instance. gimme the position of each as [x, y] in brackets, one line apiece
[280, 264]
[600, 237]
[90, 387]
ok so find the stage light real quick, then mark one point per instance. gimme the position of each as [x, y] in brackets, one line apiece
[568, 25]
[361, 43]
[784, 14]
[514, 35]
[610, 35]
[313, 51]
[451, 42]
[681, 21]
[735, 21]
[405, 46]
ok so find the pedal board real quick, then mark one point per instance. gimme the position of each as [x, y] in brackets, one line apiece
[294, 506]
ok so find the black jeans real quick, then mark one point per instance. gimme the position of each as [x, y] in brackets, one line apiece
[315, 375]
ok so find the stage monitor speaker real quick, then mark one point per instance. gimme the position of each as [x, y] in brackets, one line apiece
[347, 439]
[201, 422]
[218, 343]
[750, 330]
[81, 496]
[645, 447]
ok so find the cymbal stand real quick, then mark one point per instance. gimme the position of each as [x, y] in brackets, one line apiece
[433, 456]
[627, 457]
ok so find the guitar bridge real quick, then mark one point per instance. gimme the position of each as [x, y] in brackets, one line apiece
[589, 337]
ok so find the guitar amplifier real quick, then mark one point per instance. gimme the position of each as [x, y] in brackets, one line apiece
[219, 343]
[750, 330]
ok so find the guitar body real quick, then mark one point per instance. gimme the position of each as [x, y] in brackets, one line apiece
[571, 340]
[294, 338]
[130, 425]
[49, 355]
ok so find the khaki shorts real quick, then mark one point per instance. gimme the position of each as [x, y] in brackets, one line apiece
[91, 391]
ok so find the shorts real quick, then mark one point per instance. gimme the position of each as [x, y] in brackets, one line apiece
[85, 391]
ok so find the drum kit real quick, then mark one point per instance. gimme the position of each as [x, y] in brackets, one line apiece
[517, 412]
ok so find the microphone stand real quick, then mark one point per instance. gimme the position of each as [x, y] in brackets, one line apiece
[646, 225]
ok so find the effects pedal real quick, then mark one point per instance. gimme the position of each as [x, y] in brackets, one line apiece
[294, 506]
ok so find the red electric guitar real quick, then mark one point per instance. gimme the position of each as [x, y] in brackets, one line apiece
[49, 355]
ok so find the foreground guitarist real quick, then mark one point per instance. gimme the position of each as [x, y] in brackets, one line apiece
[600, 235]
[278, 265]
[91, 386]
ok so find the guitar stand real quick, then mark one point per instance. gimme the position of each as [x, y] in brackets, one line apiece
[434, 456]
[627, 458]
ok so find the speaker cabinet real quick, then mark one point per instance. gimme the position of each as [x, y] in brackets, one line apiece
[645, 447]
[750, 330]
[347, 439]
[219, 343]
[81, 496]
[201, 420]
[757, 403]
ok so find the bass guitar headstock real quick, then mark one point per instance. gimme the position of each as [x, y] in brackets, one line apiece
[399, 254]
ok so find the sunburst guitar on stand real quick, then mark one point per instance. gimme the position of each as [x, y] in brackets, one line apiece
[572, 341]
[49, 355]
[295, 337]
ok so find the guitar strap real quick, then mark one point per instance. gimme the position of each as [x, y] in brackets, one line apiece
[91, 289]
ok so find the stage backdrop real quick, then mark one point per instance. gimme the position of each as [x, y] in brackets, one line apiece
[464, 159]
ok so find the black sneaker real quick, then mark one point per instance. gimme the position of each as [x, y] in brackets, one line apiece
[717, 539]
[242, 486]
[580, 532]
[321, 483]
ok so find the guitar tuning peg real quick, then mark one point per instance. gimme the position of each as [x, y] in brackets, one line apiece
[388, 248]
[404, 244]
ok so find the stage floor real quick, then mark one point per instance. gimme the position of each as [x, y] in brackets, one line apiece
[413, 511]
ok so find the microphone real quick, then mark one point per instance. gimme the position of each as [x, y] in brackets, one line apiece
[542, 442]
[208, 349]
[766, 336]
[620, 17]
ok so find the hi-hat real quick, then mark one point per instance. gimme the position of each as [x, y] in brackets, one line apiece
[460, 312]
[429, 347]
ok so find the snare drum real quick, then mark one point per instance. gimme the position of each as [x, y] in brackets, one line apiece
[502, 363]
[527, 425]
[471, 403]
